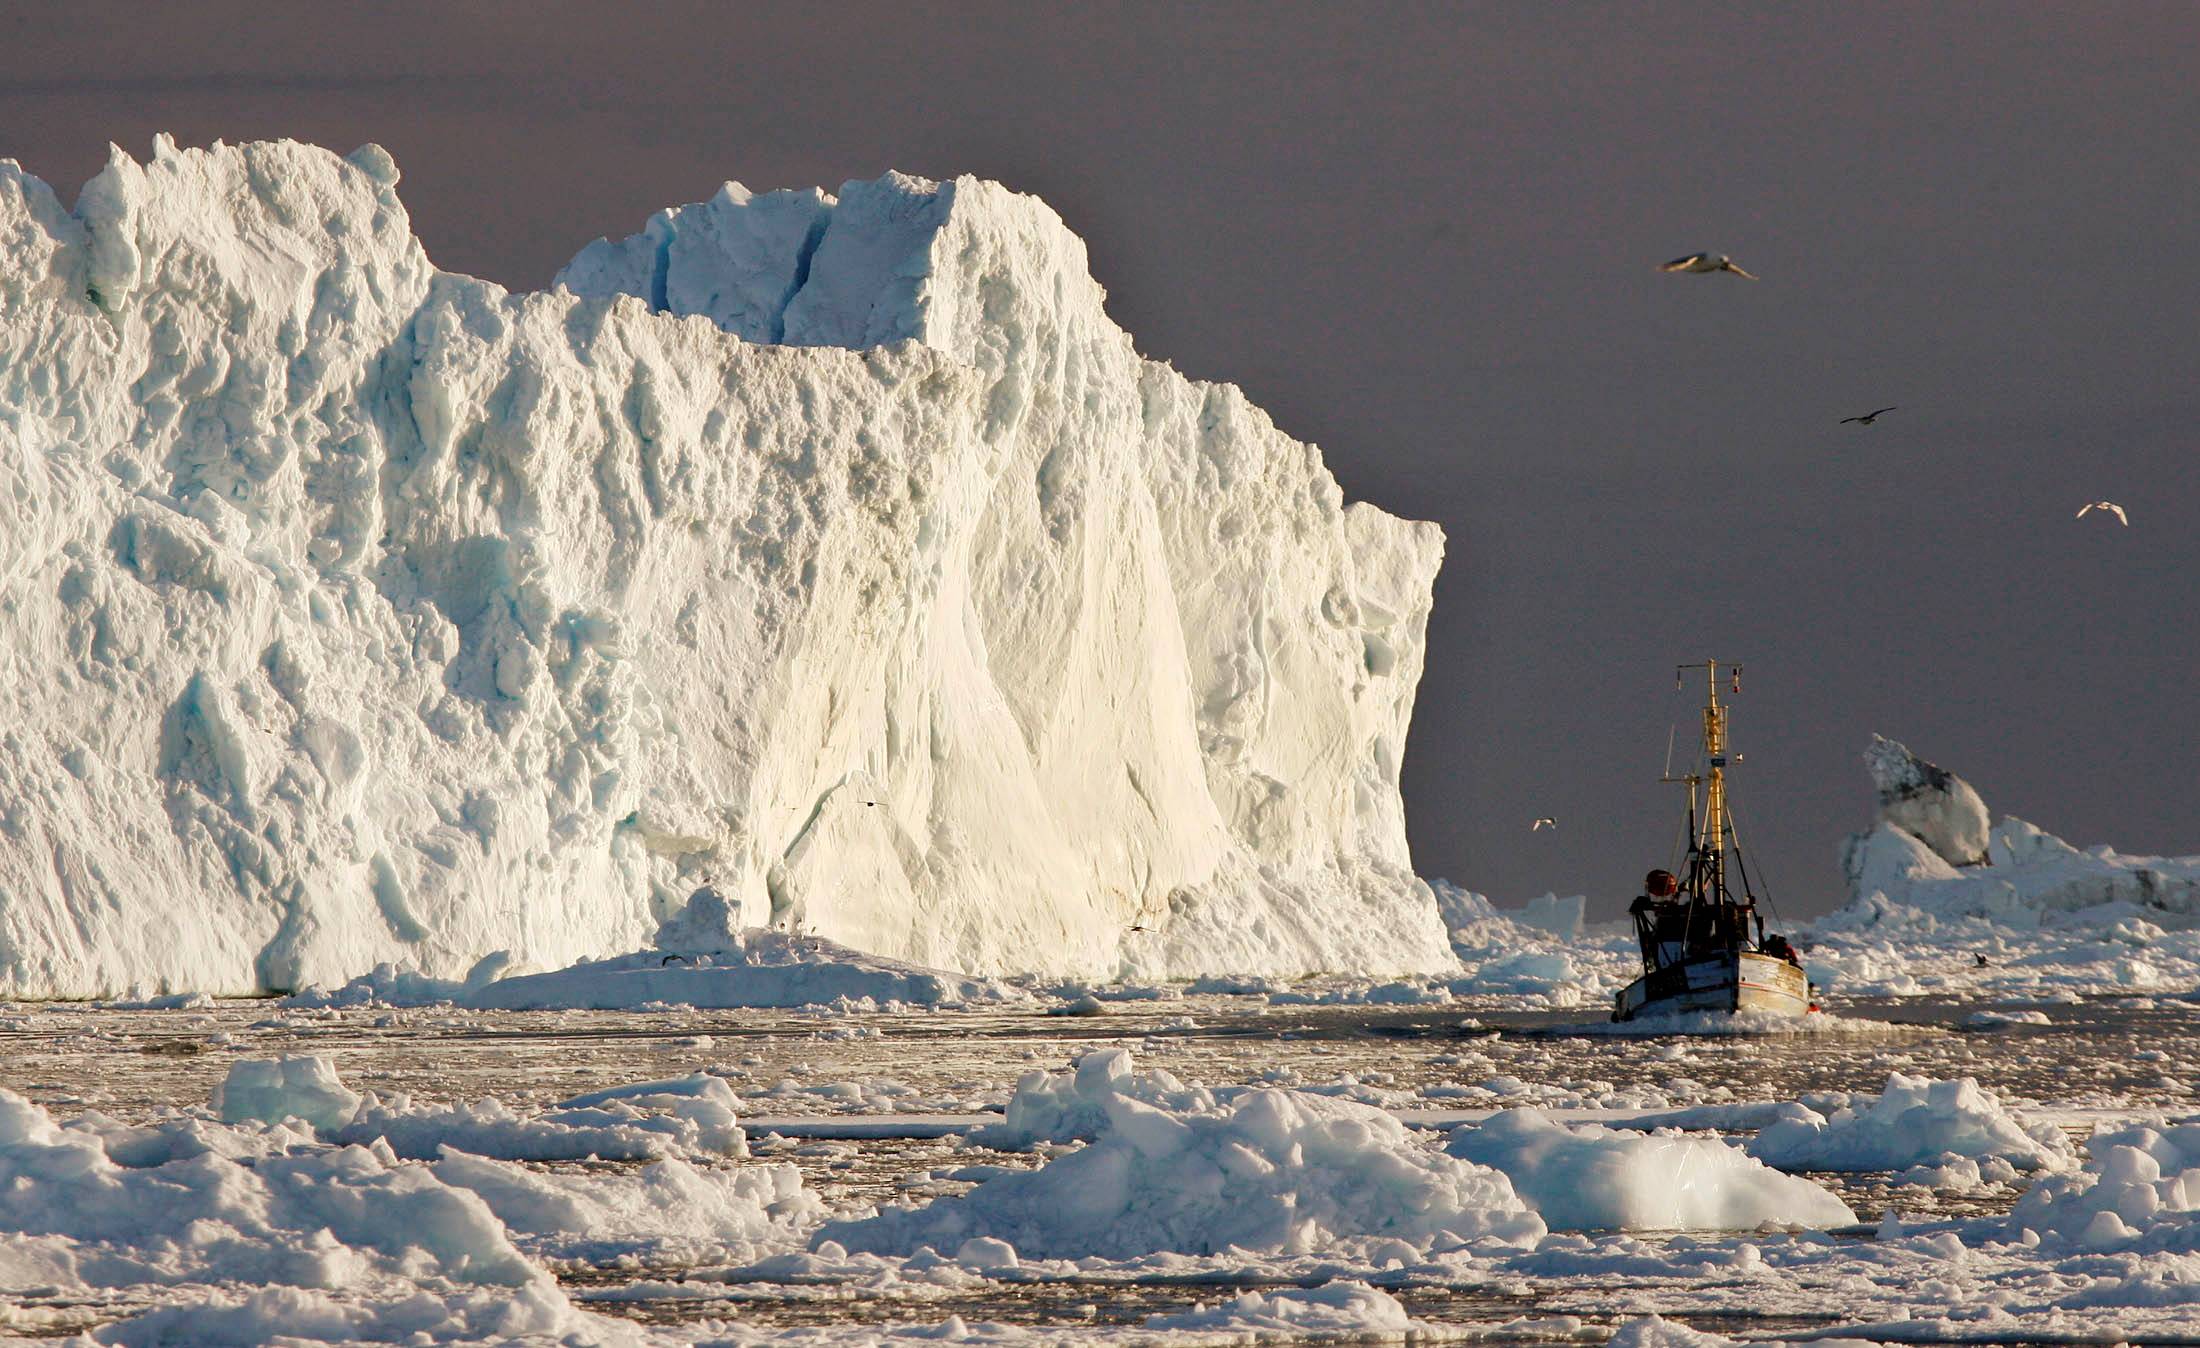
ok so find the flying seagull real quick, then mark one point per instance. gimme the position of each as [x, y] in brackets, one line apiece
[2111, 507]
[1545, 822]
[1867, 419]
[1706, 262]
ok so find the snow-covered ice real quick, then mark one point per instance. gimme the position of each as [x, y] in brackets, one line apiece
[699, 959]
[1928, 802]
[2139, 1190]
[303, 1086]
[834, 550]
[1273, 1170]
[2009, 909]
[1344, 1309]
[698, 1245]
[1589, 1178]
[1912, 1122]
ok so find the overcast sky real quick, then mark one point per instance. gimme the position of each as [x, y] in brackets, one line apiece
[1425, 238]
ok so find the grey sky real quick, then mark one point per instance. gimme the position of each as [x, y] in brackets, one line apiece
[1424, 237]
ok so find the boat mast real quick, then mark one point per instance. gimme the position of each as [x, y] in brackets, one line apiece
[1710, 835]
[1714, 812]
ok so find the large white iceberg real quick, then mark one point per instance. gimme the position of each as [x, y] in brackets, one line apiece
[837, 551]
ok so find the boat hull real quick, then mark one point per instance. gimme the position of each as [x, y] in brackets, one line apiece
[1742, 980]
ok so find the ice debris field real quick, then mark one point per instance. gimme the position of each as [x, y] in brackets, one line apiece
[1252, 1191]
[793, 786]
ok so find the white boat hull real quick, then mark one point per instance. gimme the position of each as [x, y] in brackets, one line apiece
[1729, 981]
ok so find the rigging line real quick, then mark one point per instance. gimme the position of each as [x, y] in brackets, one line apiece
[1680, 843]
[1774, 907]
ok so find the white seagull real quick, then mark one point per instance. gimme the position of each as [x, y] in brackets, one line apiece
[1706, 262]
[2111, 507]
[1545, 822]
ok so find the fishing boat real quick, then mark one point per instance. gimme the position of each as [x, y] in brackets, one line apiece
[1703, 948]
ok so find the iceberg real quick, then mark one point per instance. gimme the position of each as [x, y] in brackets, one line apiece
[835, 551]
[2026, 913]
[1929, 802]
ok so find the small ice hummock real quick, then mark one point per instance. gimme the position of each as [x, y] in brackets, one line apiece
[1344, 1308]
[1913, 1122]
[1590, 1178]
[1273, 1171]
[704, 958]
[2139, 1191]
[301, 1086]
[692, 1116]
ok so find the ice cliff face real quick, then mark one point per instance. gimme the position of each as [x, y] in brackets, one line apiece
[835, 551]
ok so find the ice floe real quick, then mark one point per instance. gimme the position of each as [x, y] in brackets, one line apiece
[1912, 1122]
[1590, 1178]
[1272, 1170]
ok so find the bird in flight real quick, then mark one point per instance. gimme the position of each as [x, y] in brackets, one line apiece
[1867, 419]
[1706, 262]
[2111, 507]
[1545, 822]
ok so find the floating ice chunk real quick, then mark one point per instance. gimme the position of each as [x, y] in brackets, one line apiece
[316, 1217]
[1995, 1020]
[1273, 1171]
[985, 1254]
[668, 1212]
[2140, 1184]
[1914, 1121]
[290, 1315]
[692, 1116]
[303, 1086]
[1074, 1106]
[388, 985]
[1655, 1331]
[1342, 1309]
[1591, 1178]
[703, 963]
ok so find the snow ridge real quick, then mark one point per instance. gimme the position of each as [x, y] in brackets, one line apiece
[856, 566]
